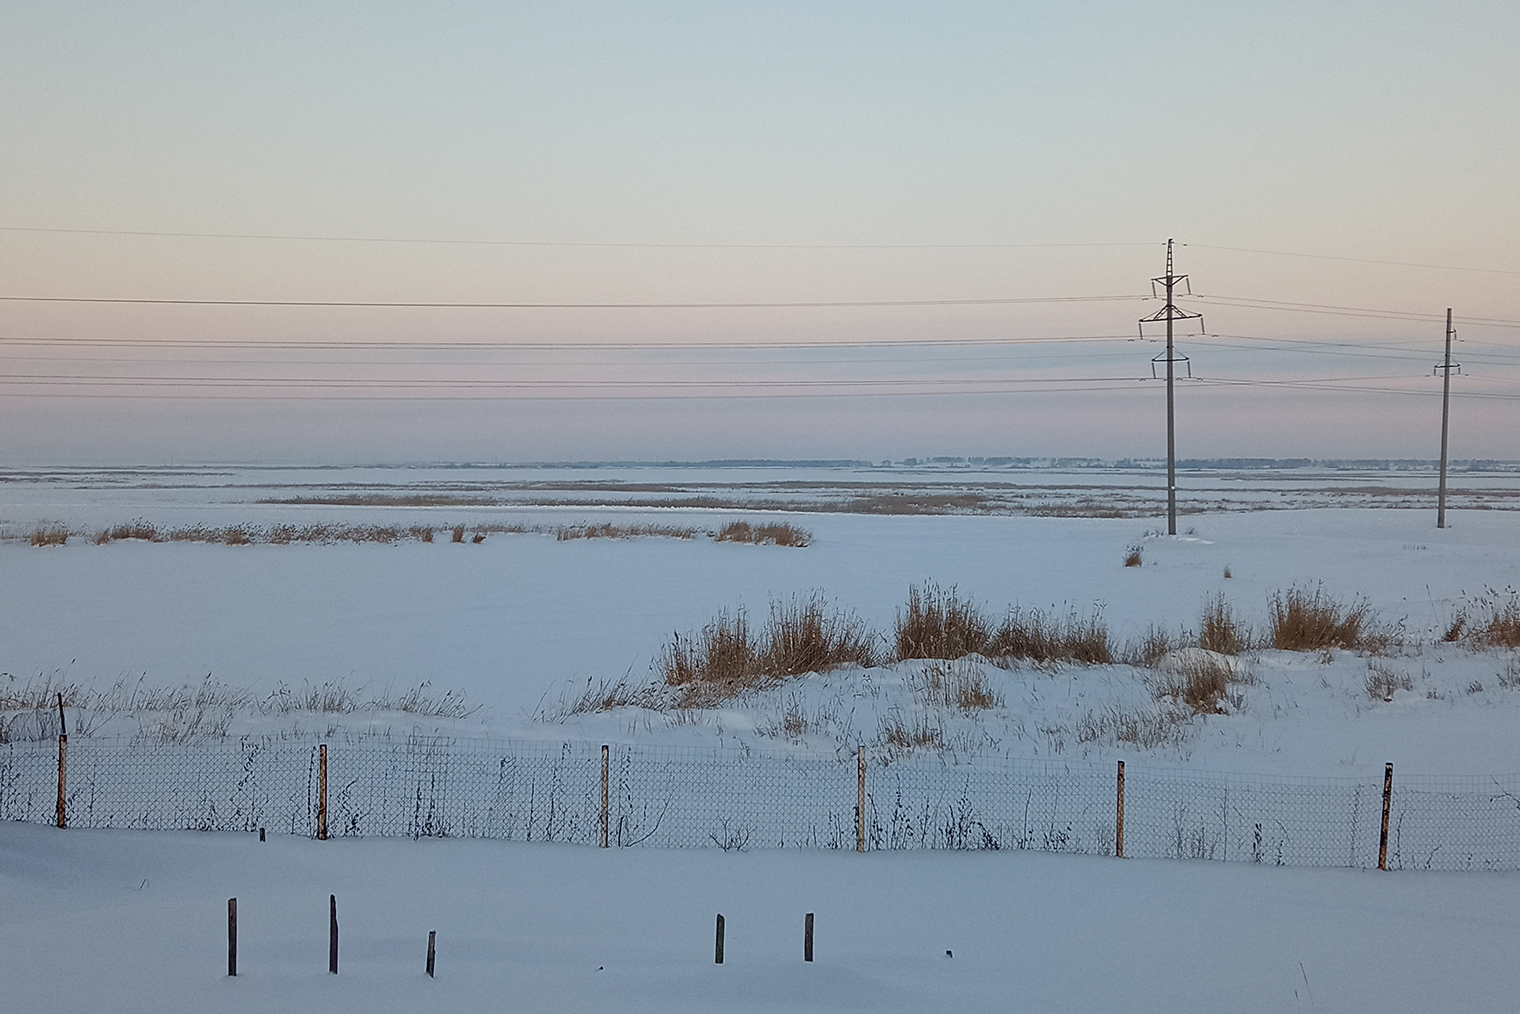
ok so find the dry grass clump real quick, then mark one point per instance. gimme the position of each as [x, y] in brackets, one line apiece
[778, 535]
[919, 734]
[1040, 637]
[1134, 556]
[139, 529]
[606, 694]
[1501, 627]
[1383, 680]
[1201, 680]
[956, 684]
[611, 531]
[717, 664]
[1220, 631]
[1152, 646]
[195, 711]
[725, 660]
[939, 624]
[804, 636]
[1305, 620]
[1146, 729]
[50, 535]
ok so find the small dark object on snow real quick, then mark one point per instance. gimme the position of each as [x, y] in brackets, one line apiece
[949, 955]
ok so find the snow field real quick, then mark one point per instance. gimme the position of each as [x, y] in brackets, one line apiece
[135, 921]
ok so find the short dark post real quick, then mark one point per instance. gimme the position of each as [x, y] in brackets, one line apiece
[63, 766]
[807, 938]
[718, 946]
[860, 802]
[1119, 817]
[1387, 799]
[322, 793]
[232, 936]
[604, 795]
[332, 933]
[432, 950]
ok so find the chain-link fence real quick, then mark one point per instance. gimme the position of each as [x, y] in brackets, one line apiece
[689, 797]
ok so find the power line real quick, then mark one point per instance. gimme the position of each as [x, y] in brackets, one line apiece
[427, 305]
[1355, 260]
[391, 345]
[1351, 311]
[430, 241]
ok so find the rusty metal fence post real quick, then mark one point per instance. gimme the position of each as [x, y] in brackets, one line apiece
[322, 792]
[1119, 816]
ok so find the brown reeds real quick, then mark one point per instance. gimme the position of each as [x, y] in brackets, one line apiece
[50, 535]
[1040, 637]
[938, 623]
[1220, 631]
[1500, 627]
[775, 534]
[724, 660]
[1311, 620]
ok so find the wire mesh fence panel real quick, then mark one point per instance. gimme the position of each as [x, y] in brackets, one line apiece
[689, 797]
[28, 781]
[1455, 823]
[427, 787]
[1280, 821]
[243, 786]
[926, 803]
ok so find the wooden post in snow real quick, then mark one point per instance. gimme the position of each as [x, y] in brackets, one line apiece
[232, 936]
[604, 795]
[332, 933]
[860, 801]
[807, 938]
[63, 766]
[1119, 816]
[718, 943]
[322, 793]
[1387, 800]
[432, 950]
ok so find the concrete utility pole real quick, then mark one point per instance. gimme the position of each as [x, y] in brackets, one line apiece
[1445, 368]
[1170, 313]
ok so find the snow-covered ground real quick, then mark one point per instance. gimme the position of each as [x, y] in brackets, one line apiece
[136, 921]
[521, 624]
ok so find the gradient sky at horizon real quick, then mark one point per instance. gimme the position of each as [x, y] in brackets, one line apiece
[785, 153]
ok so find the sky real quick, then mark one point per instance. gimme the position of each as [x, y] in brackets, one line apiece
[1014, 159]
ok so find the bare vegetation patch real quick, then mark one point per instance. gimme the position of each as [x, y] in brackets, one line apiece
[1202, 681]
[1146, 729]
[960, 684]
[194, 711]
[1150, 648]
[1134, 556]
[1220, 631]
[1311, 620]
[606, 695]
[903, 735]
[777, 534]
[611, 531]
[1383, 680]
